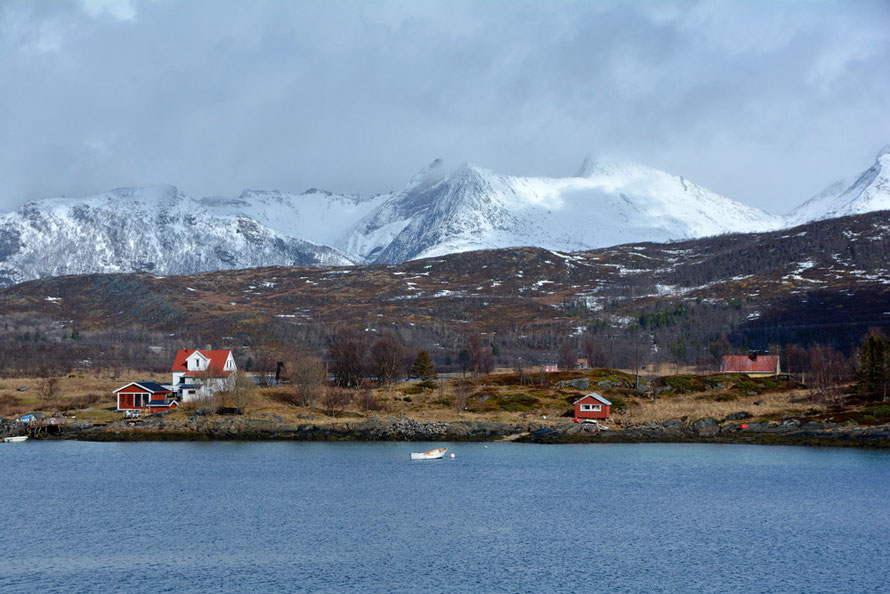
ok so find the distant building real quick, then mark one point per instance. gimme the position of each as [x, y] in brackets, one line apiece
[753, 365]
[592, 406]
[582, 364]
[550, 368]
[142, 396]
[199, 373]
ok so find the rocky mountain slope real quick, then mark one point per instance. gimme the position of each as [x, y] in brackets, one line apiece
[828, 280]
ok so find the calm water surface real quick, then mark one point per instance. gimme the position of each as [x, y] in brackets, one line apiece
[206, 517]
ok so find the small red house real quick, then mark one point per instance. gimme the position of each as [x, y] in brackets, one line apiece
[592, 406]
[753, 365]
[550, 368]
[144, 395]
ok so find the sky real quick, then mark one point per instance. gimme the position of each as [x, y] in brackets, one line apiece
[766, 102]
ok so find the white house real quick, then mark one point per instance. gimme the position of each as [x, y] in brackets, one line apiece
[199, 373]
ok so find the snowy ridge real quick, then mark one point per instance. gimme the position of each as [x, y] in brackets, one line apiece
[475, 208]
[156, 229]
[868, 192]
[438, 212]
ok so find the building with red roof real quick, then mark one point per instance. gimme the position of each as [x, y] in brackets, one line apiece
[753, 365]
[198, 372]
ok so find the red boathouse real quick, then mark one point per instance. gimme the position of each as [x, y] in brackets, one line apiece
[592, 406]
[144, 395]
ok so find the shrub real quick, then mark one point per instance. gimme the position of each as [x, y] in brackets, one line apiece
[335, 400]
[879, 411]
[519, 402]
[619, 403]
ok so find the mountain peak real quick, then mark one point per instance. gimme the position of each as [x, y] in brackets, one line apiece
[610, 167]
[428, 176]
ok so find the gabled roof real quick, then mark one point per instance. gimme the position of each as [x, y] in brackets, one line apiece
[152, 387]
[592, 395]
[747, 364]
[217, 362]
[162, 404]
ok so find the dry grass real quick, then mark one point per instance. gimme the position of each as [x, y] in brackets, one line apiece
[90, 398]
[694, 407]
[77, 392]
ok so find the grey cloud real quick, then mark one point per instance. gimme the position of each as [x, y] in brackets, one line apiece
[763, 102]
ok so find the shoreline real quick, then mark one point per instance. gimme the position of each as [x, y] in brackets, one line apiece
[789, 432]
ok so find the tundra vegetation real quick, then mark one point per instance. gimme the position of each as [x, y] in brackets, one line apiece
[822, 384]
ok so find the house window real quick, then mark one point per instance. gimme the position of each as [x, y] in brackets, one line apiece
[591, 407]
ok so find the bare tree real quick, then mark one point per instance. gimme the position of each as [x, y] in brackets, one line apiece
[593, 351]
[474, 345]
[48, 388]
[242, 392]
[567, 358]
[465, 360]
[334, 400]
[366, 401]
[307, 376]
[828, 369]
[347, 352]
[519, 369]
[486, 361]
[461, 396]
[387, 356]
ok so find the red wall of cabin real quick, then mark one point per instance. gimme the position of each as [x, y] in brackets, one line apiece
[592, 414]
[125, 399]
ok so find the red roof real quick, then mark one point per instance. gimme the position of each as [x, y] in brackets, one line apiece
[746, 364]
[217, 363]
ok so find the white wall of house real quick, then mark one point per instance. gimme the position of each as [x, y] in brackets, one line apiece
[208, 386]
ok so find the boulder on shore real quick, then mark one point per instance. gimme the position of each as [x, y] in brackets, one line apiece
[706, 427]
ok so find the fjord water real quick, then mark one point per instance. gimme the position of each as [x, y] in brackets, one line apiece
[183, 517]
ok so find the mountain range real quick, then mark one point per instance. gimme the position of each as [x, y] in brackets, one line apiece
[160, 230]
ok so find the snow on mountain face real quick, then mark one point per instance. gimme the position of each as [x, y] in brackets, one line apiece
[608, 204]
[156, 229]
[868, 192]
[159, 229]
[315, 215]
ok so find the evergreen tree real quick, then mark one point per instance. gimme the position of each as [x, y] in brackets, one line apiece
[423, 367]
[874, 364]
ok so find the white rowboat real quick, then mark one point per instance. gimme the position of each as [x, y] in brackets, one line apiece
[430, 455]
[17, 439]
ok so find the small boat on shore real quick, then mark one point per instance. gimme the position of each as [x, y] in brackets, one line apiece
[16, 439]
[430, 455]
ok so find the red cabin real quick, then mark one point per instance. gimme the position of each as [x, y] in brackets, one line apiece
[144, 395]
[592, 406]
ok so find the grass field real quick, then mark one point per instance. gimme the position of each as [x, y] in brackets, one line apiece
[498, 397]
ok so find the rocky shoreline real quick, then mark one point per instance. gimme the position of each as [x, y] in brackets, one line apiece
[787, 432]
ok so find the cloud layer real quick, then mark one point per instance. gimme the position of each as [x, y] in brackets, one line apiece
[764, 102]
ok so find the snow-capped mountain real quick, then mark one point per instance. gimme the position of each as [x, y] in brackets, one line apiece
[867, 192]
[156, 229]
[606, 204]
[316, 215]
[438, 212]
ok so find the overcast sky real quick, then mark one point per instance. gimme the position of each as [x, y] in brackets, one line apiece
[765, 102]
